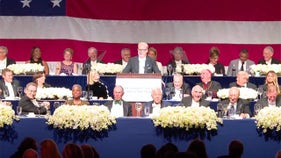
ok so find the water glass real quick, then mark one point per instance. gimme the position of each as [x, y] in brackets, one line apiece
[138, 107]
[146, 110]
[19, 110]
[19, 91]
[84, 94]
[90, 94]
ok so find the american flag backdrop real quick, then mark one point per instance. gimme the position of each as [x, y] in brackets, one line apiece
[110, 25]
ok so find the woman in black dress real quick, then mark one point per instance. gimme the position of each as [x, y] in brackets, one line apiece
[98, 88]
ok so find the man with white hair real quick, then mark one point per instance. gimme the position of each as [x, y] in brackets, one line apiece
[142, 63]
[4, 61]
[242, 79]
[195, 100]
[268, 52]
[93, 59]
[125, 55]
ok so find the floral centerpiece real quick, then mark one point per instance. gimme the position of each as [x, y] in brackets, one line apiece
[53, 93]
[26, 68]
[269, 119]
[245, 93]
[108, 68]
[187, 118]
[96, 118]
[191, 69]
[262, 69]
[7, 115]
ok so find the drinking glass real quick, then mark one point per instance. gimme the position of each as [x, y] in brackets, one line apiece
[220, 110]
[138, 107]
[19, 91]
[231, 112]
[167, 92]
[90, 94]
[84, 94]
[19, 110]
[260, 92]
[169, 69]
[146, 111]
[225, 106]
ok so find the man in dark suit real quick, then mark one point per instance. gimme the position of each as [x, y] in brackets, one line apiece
[242, 79]
[93, 59]
[8, 86]
[268, 52]
[178, 88]
[118, 107]
[28, 103]
[141, 63]
[195, 100]
[153, 107]
[207, 84]
[4, 61]
[125, 55]
[178, 55]
[240, 106]
[241, 64]
[272, 98]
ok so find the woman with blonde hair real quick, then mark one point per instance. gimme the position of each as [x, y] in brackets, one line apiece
[270, 79]
[49, 149]
[94, 84]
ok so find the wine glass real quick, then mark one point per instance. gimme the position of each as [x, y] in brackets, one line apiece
[225, 106]
[146, 110]
[90, 94]
[19, 110]
[138, 107]
[169, 69]
[167, 92]
[19, 91]
[84, 95]
[260, 92]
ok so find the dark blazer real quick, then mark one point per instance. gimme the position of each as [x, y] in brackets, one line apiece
[219, 68]
[273, 61]
[264, 101]
[249, 85]
[174, 65]
[28, 106]
[88, 68]
[127, 108]
[233, 66]
[4, 88]
[213, 86]
[186, 101]
[149, 105]
[242, 106]
[133, 66]
[185, 87]
[10, 62]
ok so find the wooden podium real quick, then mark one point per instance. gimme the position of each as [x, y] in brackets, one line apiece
[137, 88]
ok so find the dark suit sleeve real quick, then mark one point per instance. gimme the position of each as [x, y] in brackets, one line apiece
[28, 106]
[128, 67]
[245, 108]
[86, 68]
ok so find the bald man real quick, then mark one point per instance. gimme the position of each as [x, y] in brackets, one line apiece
[195, 100]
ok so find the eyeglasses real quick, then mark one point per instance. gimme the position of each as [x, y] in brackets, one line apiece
[142, 50]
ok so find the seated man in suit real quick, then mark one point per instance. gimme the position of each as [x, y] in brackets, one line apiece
[76, 95]
[125, 55]
[178, 58]
[207, 84]
[118, 107]
[28, 103]
[8, 86]
[272, 98]
[195, 100]
[178, 88]
[268, 52]
[4, 61]
[153, 107]
[241, 64]
[242, 79]
[141, 63]
[239, 106]
[93, 59]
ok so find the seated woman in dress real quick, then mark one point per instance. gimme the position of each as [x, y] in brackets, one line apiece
[270, 79]
[35, 57]
[67, 66]
[39, 78]
[96, 86]
[76, 94]
[152, 53]
[214, 58]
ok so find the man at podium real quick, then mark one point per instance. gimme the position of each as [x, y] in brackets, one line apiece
[142, 63]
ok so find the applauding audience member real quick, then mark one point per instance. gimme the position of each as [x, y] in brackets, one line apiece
[239, 106]
[178, 58]
[39, 78]
[152, 53]
[28, 103]
[268, 52]
[118, 107]
[195, 100]
[141, 63]
[35, 57]
[8, 85]
[93, 59]
[125, 55]
[4, 61]
[98, 88]
[207, 84]
[67, 66]
[242, 79]
[241, 64]
[214, 58]
[272, 97]
[76, 95]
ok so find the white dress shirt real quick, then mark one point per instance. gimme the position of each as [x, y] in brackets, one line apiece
[117, 109]
[10, 89]
[141, 65]
[194, 104]
[3, 64]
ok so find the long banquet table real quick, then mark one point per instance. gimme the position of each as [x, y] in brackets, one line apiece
[132, 133]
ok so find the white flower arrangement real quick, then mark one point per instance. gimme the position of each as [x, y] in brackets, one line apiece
[7, 115]
[263, 68]
[190, 69]
[25, 68]
[53, 93]
[187, 118]
[269, 118]
[245, 93]
[97, 118]
[108, 68]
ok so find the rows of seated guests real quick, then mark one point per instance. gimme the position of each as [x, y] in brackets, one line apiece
[147, 58]
[48, 149]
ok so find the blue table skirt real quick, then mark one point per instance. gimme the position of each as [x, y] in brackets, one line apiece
[132, 133]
